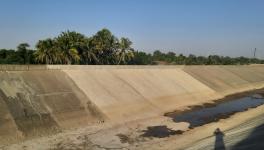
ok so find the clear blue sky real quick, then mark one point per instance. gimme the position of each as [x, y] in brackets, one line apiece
[202, 27]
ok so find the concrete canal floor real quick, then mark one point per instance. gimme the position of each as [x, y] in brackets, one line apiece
[243, 130]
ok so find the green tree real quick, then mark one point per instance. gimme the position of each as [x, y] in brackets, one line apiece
[47, 52]
[180, 59]
[213, 60]
[104, 44]
[22, 50]
[88, 55]
[125, 52]
[157, 55]
[191, 60]
[104, 48]
[10, 57]
[69, 44]
[141, 58]
[170, 57]
[201, 60]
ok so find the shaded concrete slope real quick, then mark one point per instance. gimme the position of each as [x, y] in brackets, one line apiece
[8, 128]
[35, 103]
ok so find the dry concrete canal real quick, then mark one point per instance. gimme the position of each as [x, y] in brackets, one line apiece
[131, 107]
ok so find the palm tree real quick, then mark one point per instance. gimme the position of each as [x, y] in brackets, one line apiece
[70, 56]
[104, 44]
[125, 52]
[47, 52]
[72, 48]
[88, 55]
[69, 44]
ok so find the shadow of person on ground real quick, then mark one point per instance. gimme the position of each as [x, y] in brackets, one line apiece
[219, 140]
[254, 141]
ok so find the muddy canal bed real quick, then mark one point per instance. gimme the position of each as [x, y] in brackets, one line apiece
[208, 113]
[204, 114]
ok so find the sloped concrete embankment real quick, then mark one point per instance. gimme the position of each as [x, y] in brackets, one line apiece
[36, 103]
[36, 100]
[227, 80]
[126, 93]
[129, 94]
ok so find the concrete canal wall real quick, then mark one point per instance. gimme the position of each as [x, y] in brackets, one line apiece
[43, 99]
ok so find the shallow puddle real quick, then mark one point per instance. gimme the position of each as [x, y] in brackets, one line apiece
[160, 132]
[212, 113]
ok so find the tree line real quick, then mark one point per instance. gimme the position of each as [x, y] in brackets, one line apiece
[170, 58]
[104, 48]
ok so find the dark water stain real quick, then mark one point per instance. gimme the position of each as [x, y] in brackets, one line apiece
[200, 115]
[160, 132]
